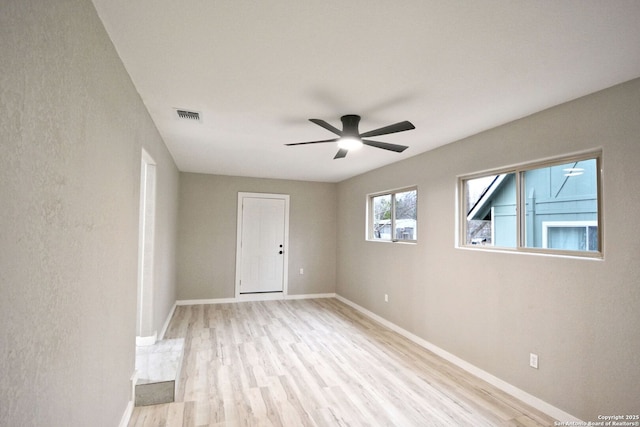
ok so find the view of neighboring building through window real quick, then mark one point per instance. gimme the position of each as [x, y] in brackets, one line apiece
[393, 216]
[491, 210]
[564, 195]
[559, 203]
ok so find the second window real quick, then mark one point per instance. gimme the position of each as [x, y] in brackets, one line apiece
[393, 216]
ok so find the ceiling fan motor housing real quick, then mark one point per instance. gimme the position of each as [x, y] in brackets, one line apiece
[350, 126]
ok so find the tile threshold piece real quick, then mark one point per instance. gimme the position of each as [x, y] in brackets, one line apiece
[158, 368]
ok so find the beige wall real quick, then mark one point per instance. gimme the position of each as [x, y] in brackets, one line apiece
[72, 128]
[207, 234]
[492, 309]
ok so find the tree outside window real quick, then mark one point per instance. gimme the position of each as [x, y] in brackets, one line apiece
[394, 216]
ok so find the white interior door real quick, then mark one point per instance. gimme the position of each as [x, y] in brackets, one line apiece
[262, 235]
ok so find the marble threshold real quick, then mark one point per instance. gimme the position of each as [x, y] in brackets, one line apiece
[158, 368]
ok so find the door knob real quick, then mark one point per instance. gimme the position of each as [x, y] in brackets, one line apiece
[280, 252]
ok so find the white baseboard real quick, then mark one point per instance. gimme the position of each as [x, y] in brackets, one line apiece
[134, 381]
[527, 398]
[253, 297]
[167, 321]
[126, 417]
[205, 301]
[145, 341]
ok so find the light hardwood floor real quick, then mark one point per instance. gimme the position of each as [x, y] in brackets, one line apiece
[318, 363]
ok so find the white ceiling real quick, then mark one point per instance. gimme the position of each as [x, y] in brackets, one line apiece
[258, 70]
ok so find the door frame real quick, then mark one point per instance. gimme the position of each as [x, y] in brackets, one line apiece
[145, 333]
[285, 272]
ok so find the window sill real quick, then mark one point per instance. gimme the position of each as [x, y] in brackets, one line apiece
[592, 256]
[401, 242]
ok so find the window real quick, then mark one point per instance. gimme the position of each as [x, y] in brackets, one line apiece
[550, 207]
[393, 216]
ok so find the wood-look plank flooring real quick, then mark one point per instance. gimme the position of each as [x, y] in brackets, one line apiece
[318, 363]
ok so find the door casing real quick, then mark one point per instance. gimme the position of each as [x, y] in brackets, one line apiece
[145, 333]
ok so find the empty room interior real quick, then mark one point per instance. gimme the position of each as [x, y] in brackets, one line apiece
[319, 213]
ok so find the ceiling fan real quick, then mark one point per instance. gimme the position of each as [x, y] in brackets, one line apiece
[350, 138]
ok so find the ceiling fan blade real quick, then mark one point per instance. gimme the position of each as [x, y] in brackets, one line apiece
[327, 126]
[397, 127]
[385, 146]
[314, 142]
[341, 153]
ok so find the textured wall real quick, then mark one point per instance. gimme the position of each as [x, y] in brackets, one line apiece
[72, 126]
[207, 234]
[492, 309]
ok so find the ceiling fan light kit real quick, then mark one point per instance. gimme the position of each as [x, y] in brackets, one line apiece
[350, 137]
[349, 143]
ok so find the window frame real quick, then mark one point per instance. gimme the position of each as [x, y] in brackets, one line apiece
[370, 232]
[521, 217]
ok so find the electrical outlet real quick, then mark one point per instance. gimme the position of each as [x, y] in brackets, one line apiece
[386, 298]
[533, 360]
[302, 271]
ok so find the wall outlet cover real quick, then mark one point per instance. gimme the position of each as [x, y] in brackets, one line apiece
[533, 360]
